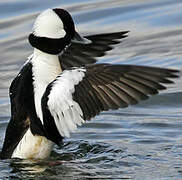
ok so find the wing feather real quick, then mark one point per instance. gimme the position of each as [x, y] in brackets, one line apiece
[88, 53]
[79, 94]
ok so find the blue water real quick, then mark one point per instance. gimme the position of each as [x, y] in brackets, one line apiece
[139, 142]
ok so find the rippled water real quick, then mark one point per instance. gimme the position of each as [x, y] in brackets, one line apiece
[140, 142]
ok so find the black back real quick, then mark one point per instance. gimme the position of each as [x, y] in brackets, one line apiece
[22, 111]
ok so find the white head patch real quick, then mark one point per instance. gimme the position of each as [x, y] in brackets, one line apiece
[49, 25]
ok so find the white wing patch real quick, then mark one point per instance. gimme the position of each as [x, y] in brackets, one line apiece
[66, 112]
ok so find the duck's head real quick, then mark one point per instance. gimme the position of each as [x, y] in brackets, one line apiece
[53, 31]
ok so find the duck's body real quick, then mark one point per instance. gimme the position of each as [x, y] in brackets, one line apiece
[56, 90]
[33, 147]
[45, 69]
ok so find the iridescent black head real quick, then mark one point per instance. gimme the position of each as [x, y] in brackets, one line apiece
[53, 30]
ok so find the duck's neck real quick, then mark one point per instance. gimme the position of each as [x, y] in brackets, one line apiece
[46, 68]
[46, 59]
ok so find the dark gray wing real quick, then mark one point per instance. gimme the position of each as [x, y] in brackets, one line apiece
[81, 54]
[108, 86]
[79, 94]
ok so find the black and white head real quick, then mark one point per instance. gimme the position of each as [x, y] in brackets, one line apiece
[53, 31]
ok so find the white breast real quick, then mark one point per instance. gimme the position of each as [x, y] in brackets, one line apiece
[45, 69]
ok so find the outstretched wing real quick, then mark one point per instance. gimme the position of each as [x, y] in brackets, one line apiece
[81, 54]
[81, 93]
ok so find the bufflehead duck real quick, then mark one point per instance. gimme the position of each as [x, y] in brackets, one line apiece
[60, 87]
